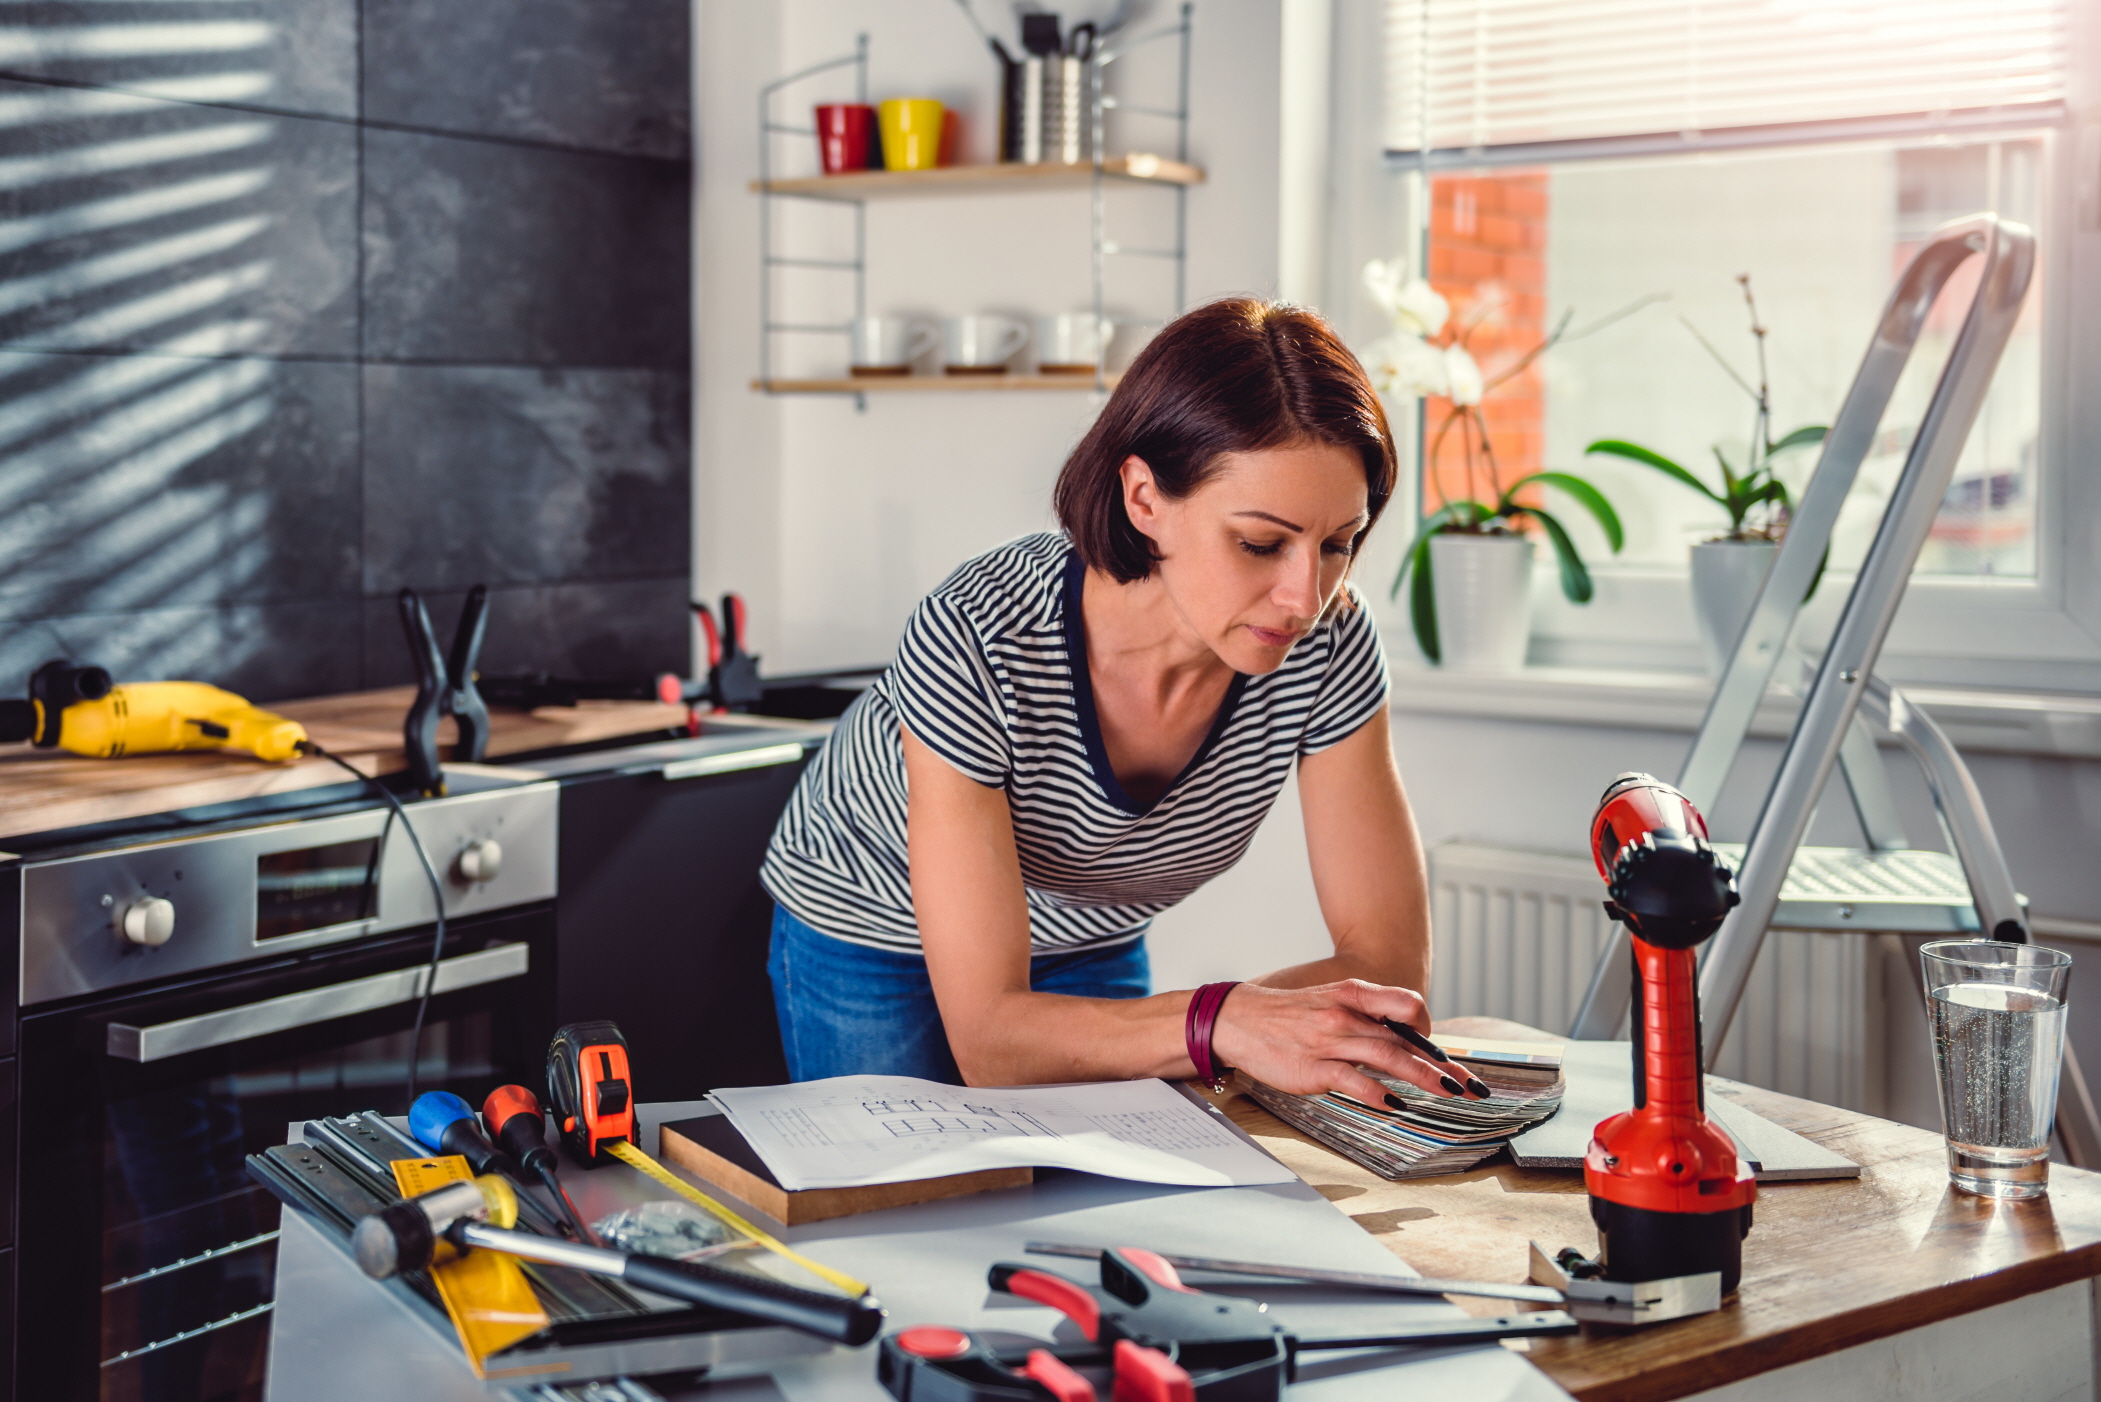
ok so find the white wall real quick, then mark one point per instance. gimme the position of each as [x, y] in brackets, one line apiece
[834, 521]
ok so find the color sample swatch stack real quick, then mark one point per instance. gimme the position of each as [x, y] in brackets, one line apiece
[1431, 1134]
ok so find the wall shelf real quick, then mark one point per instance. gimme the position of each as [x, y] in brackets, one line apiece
[888, 384]
[852, 190]
[864, 184]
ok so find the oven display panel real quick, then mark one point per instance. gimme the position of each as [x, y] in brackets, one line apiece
[315, 887]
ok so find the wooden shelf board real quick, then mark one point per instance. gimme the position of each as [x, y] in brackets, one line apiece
[890, 384]
[862, 184]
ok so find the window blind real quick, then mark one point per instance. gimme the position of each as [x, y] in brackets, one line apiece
[1498, 82]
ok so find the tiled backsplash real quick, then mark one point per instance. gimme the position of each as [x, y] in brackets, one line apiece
[278, 336]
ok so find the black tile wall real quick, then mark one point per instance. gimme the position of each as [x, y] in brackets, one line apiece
[618, 628]
[279, 336]
[276, 55]
[137, 223]
[522, 476]
[605, 75]
[520, 254]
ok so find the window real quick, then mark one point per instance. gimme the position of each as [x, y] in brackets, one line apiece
[1621, 162]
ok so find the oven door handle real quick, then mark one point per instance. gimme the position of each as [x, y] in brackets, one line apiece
[230, 1025]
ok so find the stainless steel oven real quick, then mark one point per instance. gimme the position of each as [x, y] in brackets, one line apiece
[181, 1000]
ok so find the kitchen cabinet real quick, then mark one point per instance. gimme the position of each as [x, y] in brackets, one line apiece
[663, 926]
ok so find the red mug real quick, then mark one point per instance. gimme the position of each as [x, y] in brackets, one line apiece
[845, 133]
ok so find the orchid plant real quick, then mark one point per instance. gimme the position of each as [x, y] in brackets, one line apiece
[1754, 498]
[1426, 356]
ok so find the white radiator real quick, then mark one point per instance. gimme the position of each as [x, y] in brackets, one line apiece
[1517, 935]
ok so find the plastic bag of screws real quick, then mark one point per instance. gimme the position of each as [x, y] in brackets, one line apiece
[677, 1230]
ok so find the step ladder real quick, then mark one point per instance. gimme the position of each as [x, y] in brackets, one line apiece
[1885, 887]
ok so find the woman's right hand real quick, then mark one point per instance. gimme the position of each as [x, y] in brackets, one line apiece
[1311, 1040]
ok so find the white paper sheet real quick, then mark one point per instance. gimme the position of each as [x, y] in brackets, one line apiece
[854, 1131]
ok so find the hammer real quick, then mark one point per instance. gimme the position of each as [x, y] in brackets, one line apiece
[406, 1236]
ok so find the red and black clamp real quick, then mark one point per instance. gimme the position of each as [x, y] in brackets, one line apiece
[733, 673]
[444, 687]
[1150, 1338]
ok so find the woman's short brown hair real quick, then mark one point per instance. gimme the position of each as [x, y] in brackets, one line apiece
[1234, 376]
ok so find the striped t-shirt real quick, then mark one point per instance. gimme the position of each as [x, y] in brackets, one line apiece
[991, 675]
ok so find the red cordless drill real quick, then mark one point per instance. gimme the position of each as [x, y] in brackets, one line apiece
[1667, 1190]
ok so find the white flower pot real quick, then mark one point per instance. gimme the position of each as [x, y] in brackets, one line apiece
[1484, 600]
[1726, 578]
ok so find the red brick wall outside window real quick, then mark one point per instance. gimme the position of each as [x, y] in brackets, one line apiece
[1488, 239]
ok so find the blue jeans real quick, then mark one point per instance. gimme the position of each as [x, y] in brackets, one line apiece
[850, 1010]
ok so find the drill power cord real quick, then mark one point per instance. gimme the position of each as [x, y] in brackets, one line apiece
[437, 898]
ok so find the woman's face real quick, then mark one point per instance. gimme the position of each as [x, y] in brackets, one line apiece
[1251, 559]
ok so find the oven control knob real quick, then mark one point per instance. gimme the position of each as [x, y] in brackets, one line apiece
[149, 922]
[480, 861]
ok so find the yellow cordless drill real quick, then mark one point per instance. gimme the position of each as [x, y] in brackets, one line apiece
[80, 709]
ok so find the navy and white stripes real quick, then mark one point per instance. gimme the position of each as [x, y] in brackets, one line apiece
[984, 677]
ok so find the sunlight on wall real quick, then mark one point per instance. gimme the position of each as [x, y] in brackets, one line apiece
[132, 226]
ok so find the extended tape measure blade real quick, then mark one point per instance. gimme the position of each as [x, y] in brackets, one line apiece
[634, 1158]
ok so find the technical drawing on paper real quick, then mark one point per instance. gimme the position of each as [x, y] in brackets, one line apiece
[910, 1118]
[943, 1124]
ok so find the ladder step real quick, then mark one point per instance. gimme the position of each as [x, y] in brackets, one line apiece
[1847, 888]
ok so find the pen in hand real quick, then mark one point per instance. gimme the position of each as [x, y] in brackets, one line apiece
[1423, 1044]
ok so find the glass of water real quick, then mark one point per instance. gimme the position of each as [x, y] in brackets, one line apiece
[1998, 1014]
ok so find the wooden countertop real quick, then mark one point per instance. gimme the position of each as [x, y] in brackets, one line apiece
[46, 790]
[1827, 1265]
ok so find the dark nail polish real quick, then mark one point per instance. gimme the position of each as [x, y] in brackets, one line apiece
[1396, 1102]
[1478, 1086]
[1451, 1086]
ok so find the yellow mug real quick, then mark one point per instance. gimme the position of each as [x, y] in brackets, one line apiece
[911, 128]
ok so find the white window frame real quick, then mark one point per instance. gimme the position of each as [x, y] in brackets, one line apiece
[2039, 633]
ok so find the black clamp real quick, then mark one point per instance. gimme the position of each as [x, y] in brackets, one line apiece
[444, 687]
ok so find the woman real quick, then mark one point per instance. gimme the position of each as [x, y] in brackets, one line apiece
[1083, 727]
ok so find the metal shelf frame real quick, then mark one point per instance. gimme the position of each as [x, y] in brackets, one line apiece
[1099, 103]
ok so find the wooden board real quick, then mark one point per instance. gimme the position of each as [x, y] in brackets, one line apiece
[46, 790]
[1828, 1265]
[710, 1147]
[1006, 175]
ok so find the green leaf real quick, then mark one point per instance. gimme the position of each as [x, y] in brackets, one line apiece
[1818, 577]
[1575, 579]
[1800, 438]
[1422, 596]
[1587, 496]
[1732, 498]
[1422, 608]
[1634, 452]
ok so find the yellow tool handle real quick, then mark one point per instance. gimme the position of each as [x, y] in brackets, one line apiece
[635, 1158]
[159, 717]
[486, 1294]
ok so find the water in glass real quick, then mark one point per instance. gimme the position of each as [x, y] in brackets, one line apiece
[1997, 1049]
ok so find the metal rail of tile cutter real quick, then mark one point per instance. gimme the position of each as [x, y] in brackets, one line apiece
[1886, 887]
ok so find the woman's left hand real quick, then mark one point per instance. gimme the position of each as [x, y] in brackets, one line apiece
[1312, 1040]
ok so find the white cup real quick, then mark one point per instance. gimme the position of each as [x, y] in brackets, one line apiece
[980, 345]
[887, 345]
[1072, 343]
[1131, 337]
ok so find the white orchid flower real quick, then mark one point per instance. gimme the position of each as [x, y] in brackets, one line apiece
[1403, 366]
[1421, 310]
[1412, 303]
[1462, 375]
